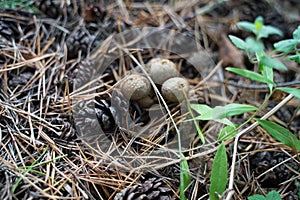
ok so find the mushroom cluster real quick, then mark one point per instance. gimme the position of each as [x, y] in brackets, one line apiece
[165, 75]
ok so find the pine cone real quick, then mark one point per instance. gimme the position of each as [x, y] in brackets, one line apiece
[104, 115]
[79, 41]
[19, 80]
[57, 8]
[63, 127]
[151, 189]
[262, 161]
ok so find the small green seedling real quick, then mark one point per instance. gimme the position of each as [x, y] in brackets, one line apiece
[255, 50]
[272, 195]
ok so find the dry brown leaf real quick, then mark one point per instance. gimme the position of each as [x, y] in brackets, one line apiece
[145, 18]
[230, 55]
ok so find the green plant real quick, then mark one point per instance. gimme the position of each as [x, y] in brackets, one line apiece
[266, 64]
[219, 174]
[36, 163]
[264, 74]
[255, 49]
[272, 195]
[185, 177]
[14, 4]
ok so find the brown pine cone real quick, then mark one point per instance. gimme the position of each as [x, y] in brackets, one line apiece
[81, 41]
[104, 114]
[262, 161]
[151, 189]
[57, 8]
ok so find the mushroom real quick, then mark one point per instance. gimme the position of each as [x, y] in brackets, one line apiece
[175, 89]
[146, 102]
[135, 87]
[161, 70]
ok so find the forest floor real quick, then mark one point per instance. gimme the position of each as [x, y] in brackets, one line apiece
[68, 132]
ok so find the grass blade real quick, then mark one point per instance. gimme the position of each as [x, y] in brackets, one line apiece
[218, 178]
[280, 133]
[185, 177]
[250, 74]
[221, 112]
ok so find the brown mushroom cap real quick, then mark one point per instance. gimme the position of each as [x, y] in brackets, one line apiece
[161, 70]
[175, 89]
[135, 87]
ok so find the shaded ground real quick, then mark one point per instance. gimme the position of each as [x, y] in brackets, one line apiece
[49, 46]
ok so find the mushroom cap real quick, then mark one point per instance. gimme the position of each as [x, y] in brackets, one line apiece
[135, 87]
[175, 89]
[161, 70]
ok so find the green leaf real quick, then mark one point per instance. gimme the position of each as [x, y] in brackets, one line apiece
[254, 46]
[267, 72]
[185, 177]
[219, 173]
[285, 46]
[228, 132]
[270, 62]
[220, 112]
[202, 108]
[223, 121]
[295, 58]
[239, 43]
[237, 109]
[257, 197]
[273, 195]
[268, 30]
[293, 91]
[247, 25]
[296, 34]
[250, 74]
[280, 133]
